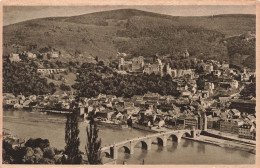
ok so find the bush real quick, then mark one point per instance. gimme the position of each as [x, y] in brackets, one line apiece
[29, 156]
[7, 152]
[41, 143]
[18, 155]
[32, 153]
[38, 154]
[49, 153]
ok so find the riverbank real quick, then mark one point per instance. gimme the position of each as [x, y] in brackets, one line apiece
[143, 128]
[224, 143]
[226, 136]
[35, 120]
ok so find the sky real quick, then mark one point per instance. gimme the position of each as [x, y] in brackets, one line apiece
[15, 14]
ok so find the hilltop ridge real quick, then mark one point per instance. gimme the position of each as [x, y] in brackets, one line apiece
[132, 31]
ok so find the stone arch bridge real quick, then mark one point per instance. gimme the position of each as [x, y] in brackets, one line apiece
[146, 141]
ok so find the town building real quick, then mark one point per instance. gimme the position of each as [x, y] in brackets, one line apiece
[124, 65]
[247, 131]
[225, 66]
[155, 68]
[138, 64]
[14, 57]
[31, 55]
[209, 86]
[208, 68]
[212, 123]
[54, 54]
[216, 73]
[187, 122]
[230, 125]
[104, 114]
[186, 54]
[50, 71]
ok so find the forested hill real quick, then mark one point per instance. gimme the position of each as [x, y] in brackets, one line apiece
[132, 31]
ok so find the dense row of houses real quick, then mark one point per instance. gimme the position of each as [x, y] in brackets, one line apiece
[155, 110]
[59, 100]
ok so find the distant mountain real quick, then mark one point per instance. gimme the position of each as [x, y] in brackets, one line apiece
[132, 31]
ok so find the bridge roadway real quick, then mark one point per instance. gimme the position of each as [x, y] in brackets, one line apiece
[146, 141]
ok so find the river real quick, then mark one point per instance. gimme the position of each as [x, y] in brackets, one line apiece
[27, 125]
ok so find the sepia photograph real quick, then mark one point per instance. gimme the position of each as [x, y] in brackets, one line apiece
[129, 85]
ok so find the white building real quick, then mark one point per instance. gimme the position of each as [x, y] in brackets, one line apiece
[14, 57]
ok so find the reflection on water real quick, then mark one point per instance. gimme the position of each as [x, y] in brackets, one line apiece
[159, 148]
[186, 144]
[52, 127]
[172, 146]
[201, 148]
[245, 154]
[142, 154]
[229, 150]
[126, 155]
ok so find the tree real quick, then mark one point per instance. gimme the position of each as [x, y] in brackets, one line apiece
[93, 147]
[72, 140]
[65, 87]
[96, 58]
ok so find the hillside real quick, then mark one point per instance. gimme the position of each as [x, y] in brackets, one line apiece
[128, 30]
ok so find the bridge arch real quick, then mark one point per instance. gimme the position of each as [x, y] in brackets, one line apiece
[173, 137]
[105, 154]
[159, 141]
[143, 143]
[126, 149]
[186, 134]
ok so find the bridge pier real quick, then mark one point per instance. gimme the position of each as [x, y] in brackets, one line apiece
[164, 140]
[114, 152]
[193, 133]
[179, 139]
[132, 147]
[149, 144]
